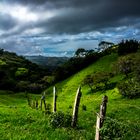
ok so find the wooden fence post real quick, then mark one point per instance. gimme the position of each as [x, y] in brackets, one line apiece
[29, 101]
[42, 100]
[41, 104]
[36, 104]
[33, 104]
[54, 99]
[44, 104]
[76, 107]
[101, 117]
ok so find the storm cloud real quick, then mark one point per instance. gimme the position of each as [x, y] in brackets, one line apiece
[96, 19]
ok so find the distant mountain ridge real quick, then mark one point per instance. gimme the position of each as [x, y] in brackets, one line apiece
[44, 61]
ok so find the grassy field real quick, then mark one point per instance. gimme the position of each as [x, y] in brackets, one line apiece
[18, 121]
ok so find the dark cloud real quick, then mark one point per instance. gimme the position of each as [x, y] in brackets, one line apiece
[106, 19]
[90, 15]
[75, 16]
[25, 2]
[7, 22]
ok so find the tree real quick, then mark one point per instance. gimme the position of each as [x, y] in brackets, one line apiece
[97, 81]
[89, 81]
[81, 52]
[103, 45]
[128, 46]
[125, 65]
[1, 51]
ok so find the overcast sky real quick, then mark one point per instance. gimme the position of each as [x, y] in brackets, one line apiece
[58, 27]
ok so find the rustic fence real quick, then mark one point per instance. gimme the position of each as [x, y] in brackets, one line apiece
[100, 116]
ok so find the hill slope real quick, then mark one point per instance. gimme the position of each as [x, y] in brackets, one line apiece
[123, 114]
[122, 110]
[16, 72]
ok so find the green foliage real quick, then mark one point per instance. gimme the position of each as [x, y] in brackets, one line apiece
[36, 88]
[129, 88]
[113, 129]
[84, 108]
[16, 69]
[81, 52]
[2, 63]
[129, 66]
[22, 85]
[125, 65]
[59, 119]
[48, 109]
[88, 80]
[128, 46]
[1, 51]
[48, 80]
[98, 80]
[103, 45]
[21, 72]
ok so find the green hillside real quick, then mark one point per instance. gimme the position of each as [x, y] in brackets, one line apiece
[19, 74]
[18, 121]
[122, 110]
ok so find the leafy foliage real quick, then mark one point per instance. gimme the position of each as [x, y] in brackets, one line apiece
[128, 46]
[59, 119]
[103, 45]
[125, 65]
[98, 81]
[19, 74]
[129, 66]
[113, 129]
[129, 88]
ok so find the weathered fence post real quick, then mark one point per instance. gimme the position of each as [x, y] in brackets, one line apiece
[33, 104]
[101, 117]
[36, 104]
[54, 99]
[29, 101]
[76, 107]
[44, 104]
[42, 100]
[41, 104]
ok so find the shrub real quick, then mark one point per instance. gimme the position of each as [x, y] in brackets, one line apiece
[59, 119]
[84, 108]
[22, 85]
[125, 65]
[48, 109]
[70, 106]
[129, 88]
[113, 129]
[35, 88]
[98, 81]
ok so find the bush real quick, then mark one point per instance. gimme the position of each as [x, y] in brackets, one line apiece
[84, 108]
[35, 88]
[59, 119]
[129, 88]
[113, 129]
[21, 72]
[125, 65]
[48, 109]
